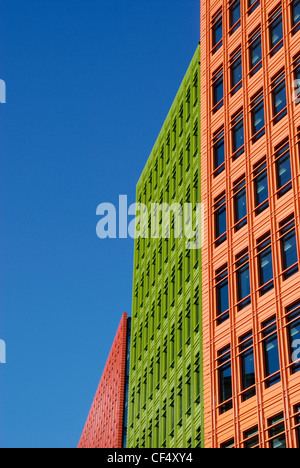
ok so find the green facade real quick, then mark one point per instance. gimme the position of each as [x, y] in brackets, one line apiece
[165, 390]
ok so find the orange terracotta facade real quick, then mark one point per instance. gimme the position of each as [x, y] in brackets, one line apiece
[230, 427]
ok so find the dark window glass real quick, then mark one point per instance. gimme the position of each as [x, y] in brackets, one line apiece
[261, 186]
[219, 152]
[234, 16]
[295, 6]
[238, 135]
[276, 31]
[243, 280]
[218, 90]
[251, 439]
[271, 353]
[252, 5]
[289, 247]
[228, 445]
[265, 264]
[247, 367]
[255, 52]
[283, 169]
[279, 97]
[225, 380]
[277, 432]
[220, 220]
[258, 116]
[240, 204]
[296, 64]
[217, 32]
[222, 295]
[297, 425]
[236, 72]
[293, 321]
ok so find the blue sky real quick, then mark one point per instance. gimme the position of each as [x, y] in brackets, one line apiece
[89, 84]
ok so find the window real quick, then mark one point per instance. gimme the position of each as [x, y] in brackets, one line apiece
[217, 31]
[277, 438]
[225, 380]
[219, 152]
[237, 126]
[283, 168]
[261, 186]
[295, 11]
[234, 15]
[271, 352]
[243, 280]
[236, 72]
[296, 85]
[288, 247]
[257, 116]
[220, 220]
[218, 90]
[255, 52]
[279, 97]
[251, 439]
[228, 445]
[252, 5]
[240, 203]
[297, 424]
[247, 367]
[222, 295]
[265, 264]
[293, 329]
[276, 30]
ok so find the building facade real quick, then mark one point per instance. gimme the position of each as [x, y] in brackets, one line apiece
[250, 127]
[165, 394]
[106, 426]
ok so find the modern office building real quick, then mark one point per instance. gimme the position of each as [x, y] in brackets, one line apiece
[250, 127]
[165, 392]
[106, 426]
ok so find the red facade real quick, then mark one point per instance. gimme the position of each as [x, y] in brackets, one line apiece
[104, 426]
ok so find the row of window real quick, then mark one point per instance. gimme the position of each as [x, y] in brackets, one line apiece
[264, 262]
[276, 433]
[270, 349]
[275, 23]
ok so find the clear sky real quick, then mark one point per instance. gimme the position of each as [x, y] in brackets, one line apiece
[89, 84]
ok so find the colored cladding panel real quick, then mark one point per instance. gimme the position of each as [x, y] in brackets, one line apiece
[105, 424]
[250, 133]
[165, 392]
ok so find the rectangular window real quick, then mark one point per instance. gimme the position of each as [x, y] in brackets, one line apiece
[219, 152]
[218, 90]
[297, 424]
[255, 52]
[277, 439]
[252, 5]
[295, 12]
[288, 247]
[261, 188]
[240, 204]
[265, 264]
[228, 445]
[271, 352]
[243, 280]
[279, 99]
[247, 367]
[234, 15]
[237, 129]
[220, 220]
[276, 30]
[296, 84]
[251, 439]
[257, 116]
[225, 379]
[236, 72]
[222, 295]
[217, 31]
[283, 168]
[293, 330]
